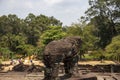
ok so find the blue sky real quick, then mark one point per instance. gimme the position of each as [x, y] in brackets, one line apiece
[67, 11]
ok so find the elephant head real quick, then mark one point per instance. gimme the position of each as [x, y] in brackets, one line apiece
[75, 40]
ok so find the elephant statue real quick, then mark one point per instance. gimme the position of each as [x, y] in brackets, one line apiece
[64, 50]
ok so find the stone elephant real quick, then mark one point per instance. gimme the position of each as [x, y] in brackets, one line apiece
[64, 50]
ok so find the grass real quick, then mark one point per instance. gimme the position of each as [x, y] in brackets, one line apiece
[88, 57]
[97, 56]
[0, 61]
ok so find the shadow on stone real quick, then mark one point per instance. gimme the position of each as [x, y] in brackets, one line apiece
[64, 77]
[82, 77]
[19, 67]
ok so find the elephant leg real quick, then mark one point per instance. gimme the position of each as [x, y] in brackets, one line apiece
[75, 65]
[47, 73]
[51, 73]
[55, 71]
[68, 67]
[51, 69]
[71, 66]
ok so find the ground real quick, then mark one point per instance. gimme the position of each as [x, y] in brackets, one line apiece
[20, 76]
[6, 74]
[27, 62]
[39, 76]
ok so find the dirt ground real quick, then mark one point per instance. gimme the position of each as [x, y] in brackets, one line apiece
[8, 67]
[27, 62]
[39, 76]
[7, 74]
[38, 62]
[20, 76]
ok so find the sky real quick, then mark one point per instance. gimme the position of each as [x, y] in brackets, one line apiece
[67, 11]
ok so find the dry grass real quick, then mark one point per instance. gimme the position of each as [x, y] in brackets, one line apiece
[38, 62]
[96, 62]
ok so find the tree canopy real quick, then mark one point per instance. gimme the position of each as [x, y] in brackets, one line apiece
[22, 35]
[99, 30]
[104, 14]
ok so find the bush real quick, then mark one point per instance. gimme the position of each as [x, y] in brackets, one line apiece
[113, 48]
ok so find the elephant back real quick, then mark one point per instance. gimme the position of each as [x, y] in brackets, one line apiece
[58, 47]
[62, 46]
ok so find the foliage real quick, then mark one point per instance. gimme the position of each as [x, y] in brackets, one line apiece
[74, 30]
[114, 48]
[5, 52]
[36, 25]
[104, 14]
[54, 33]
[89, 37]
[20, 36]
[12, 41]
[0, 61]
[26, 50]
[38, 52]
[98, 54]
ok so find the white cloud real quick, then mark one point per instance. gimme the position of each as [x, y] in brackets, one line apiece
[52, 2]
[28, 4]
[67, 11]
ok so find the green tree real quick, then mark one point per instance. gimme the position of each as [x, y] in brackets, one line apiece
[104, 15]
[10, 24]
[22, 35]
[89, 37]
[5, 53]
[26, 50]
[36, 25]
[12, 41]
[54, 33]
[114, 48]
[74, 30]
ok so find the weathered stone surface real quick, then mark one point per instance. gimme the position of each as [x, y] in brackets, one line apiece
[64, 50]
